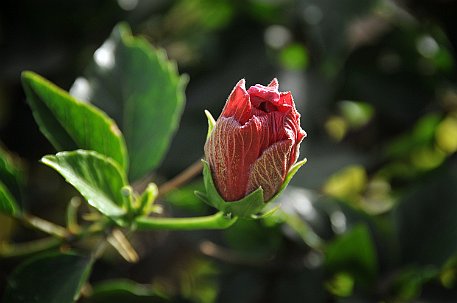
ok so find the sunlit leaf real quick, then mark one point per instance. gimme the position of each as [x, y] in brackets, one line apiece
[356, 113]
[347, 183]
[137, 86]
[341, 284]
[294, 56]
[446, 135]
[98, 178]
[70, 124]
[336, 127]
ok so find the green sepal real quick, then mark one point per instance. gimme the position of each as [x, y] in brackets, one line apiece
[292, 171]
[146, 200]
[249, 207]
[211, 123]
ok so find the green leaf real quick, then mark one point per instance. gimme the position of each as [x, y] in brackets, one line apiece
[353, 253]
[11, 173]
[98, 178]
[294, 57]
[11, 182]
[8, 204]
[70, 124]
[426, 219]
[137, 86]
[409, 281]
[147, 198]
[123, 290]
[48, 278]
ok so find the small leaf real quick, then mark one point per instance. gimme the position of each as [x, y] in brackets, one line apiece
[354, 253]
[70, 124]
[11, 174]
[48, 278]
[137, 86]
[121, 291]
[146, 200]
[120, 242]
[11, 183]
[8, 204]
[96, 177]
[211, 123]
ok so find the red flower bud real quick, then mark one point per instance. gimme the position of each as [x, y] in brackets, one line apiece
[255, 141]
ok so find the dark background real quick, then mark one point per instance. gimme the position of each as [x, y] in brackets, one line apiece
[375, 83]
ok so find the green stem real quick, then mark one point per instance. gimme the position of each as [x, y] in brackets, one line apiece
[27, 248]
[216, 221]
[72, 215]
[45, 226]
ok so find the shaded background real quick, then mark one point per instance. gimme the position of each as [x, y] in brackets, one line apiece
[372, 216]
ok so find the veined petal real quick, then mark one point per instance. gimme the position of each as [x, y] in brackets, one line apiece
[264, 97]
[296, 133]
[274, 84]
[270, 169]
[238, 104]
[273, 129]
[230, 151]
[286, 98]
[255, 142]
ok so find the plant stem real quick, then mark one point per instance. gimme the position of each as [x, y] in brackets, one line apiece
[72, 215]
[119, 241]
[27, 248]
[182, 178]
[45, 226]
[216, 221]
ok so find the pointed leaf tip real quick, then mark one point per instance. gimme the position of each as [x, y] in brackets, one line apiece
[70, 124]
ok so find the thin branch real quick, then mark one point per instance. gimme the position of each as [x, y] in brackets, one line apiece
[28, 248]
[181, 179]
[45, 226]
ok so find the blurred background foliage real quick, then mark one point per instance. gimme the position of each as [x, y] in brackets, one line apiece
[372, 216]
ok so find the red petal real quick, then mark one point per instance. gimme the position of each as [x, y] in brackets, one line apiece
[274, 84]
[238, 104]
[259, 94]
[294, 132]
[270, 170]
[230, 151]
[286, 98]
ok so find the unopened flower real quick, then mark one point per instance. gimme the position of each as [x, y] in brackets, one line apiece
[254, 142]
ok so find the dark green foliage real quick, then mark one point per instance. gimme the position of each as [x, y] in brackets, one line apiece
[65, 274]
[370, 218]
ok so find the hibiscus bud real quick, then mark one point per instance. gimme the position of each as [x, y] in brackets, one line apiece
[254, 142]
